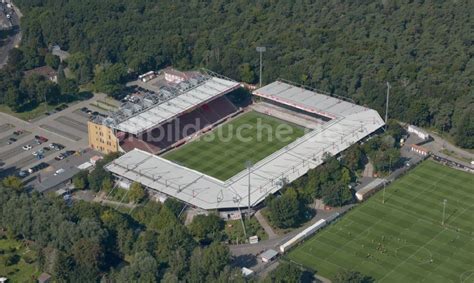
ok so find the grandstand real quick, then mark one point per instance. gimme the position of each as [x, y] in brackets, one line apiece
[343, 123]
[174, 132]
[165, 111]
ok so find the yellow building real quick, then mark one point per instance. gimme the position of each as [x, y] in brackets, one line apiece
[102, 138]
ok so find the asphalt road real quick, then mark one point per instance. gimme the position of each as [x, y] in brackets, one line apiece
[12, 40]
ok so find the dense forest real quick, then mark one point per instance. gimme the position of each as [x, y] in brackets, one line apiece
[351, 48]
[78, 241]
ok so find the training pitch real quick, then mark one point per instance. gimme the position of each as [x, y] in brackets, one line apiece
[223, 152]
[403, 240]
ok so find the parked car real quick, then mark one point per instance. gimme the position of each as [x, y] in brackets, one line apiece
[38, 152]
[84, 109]
[23, 173]
[27, 147]
[17, 133]
[38, 167]
[56, 146]
[41, 139]
[68, 153]
[59, 171]
[11, 140]
[59, 157]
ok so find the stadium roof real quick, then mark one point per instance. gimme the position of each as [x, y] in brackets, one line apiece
[350, 123]
[325, 105]
[165, 111]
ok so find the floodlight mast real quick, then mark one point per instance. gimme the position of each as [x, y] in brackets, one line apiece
[386, 104]
[248, 164]
[261, 49]
[444, 210]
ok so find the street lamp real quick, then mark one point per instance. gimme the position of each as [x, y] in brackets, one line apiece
[261, 49]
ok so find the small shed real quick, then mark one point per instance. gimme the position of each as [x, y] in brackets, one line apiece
[369, 189]
[44, 278]
[246, 271]
[85, 166]
[419, 150]
[422, 134]
[268, 255]
[93, 160]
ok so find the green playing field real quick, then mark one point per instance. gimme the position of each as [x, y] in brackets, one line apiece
[403, 240]
[223, 152]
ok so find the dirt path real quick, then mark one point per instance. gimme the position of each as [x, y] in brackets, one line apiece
[266, 226]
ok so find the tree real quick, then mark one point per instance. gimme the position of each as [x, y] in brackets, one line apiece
[246, 73]
[172, 238]
[206, 227]
[144, 268]
[14, 99]
[88, 254]
[15, 59]
[13, 182]
[97, 177]
[285, 273]
[208, 263]
[80, 181]
[107, 184]
[284, 211]
[353, 158]
[418, 113]
[69, 86]
[109, 79]
[52, 60]
[81, 66]
[174, 205]
[137, 192]
[164, 218]
[347, 276]
[336, 193]
[465, 132]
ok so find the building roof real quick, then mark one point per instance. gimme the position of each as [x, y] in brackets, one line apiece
[44, 277]
[374, 184]
[54, 182]
[45, 71]
[269, 254]
[308, 100]
[165, 111]
[350, 124]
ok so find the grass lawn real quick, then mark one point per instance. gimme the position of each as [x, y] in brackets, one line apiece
[24, 267]
[27, 115]
[222, 154]
[403, 240]
[235, 232]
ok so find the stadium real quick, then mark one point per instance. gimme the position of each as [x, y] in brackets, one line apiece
[170, 144]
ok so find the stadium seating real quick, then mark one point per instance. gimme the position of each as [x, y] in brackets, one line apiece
[186, 125]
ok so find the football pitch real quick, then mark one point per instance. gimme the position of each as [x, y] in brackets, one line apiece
[223, 152]
[403, 240]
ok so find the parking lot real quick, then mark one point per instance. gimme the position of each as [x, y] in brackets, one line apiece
[21, 148]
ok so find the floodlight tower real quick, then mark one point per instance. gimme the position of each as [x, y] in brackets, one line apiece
[386, 104]
[248, 164]
[261, 49]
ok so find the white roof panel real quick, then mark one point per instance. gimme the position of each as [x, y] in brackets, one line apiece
[167, 110]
